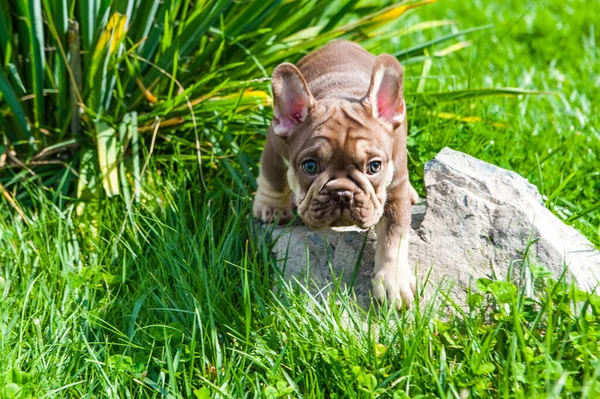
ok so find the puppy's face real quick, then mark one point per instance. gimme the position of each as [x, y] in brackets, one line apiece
[340, 165]
[340, 151]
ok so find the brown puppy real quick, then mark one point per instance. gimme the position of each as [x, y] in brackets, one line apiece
[338, 143]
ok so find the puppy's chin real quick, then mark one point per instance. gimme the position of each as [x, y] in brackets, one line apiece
[338, 219]
[343, 221]
[315, 223]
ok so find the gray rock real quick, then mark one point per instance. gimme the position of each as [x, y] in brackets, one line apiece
[479, 221]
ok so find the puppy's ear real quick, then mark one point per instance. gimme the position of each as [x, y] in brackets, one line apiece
[385, 97]
[292, 99]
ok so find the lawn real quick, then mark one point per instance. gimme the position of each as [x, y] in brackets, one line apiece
[163, 288]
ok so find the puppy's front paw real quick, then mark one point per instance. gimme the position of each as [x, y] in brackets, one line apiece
[269, 213]
[395, 288]
[271, 205]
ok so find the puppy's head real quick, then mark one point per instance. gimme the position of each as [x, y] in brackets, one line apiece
[340, 150]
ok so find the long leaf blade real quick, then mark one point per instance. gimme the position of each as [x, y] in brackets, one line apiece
[13, 102]
[37, 42]
[107, 157]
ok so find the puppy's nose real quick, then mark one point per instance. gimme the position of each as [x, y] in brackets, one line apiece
[342, 197]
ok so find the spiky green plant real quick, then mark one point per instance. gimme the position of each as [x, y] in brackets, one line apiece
[101, 76]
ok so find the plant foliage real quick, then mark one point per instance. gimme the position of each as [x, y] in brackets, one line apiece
[107, 74]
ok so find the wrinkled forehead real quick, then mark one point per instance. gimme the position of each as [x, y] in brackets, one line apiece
[341, 129]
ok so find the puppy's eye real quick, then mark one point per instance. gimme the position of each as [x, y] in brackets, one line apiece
[374, 167]
[309, 167]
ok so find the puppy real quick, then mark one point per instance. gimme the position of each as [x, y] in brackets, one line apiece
[336, 148]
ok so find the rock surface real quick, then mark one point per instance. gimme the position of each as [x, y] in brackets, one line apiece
[479, 221]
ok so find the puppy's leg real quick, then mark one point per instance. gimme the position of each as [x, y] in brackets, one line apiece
[393, 279]
[414, 196]
[272, 201]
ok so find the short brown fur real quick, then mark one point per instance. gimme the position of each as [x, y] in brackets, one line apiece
[343, 108]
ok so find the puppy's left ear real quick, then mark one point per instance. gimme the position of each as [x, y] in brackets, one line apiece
[385, 97]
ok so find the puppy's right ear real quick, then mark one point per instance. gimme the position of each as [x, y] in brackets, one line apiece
[292, 99]
[385, 97]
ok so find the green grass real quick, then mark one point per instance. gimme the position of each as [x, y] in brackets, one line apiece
[187, 309]
[552, 140]
[172, 295]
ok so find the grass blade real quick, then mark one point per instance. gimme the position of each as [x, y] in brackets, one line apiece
[36, 46]
[13, 102]
[584, 212]
[87, 186]
[123, 139]
[462, 95]
[558, 190]
[135, 149]
[107, 157]
[75, 86]
[420, 48]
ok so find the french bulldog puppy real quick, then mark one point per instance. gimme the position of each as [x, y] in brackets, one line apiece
[336, 149]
